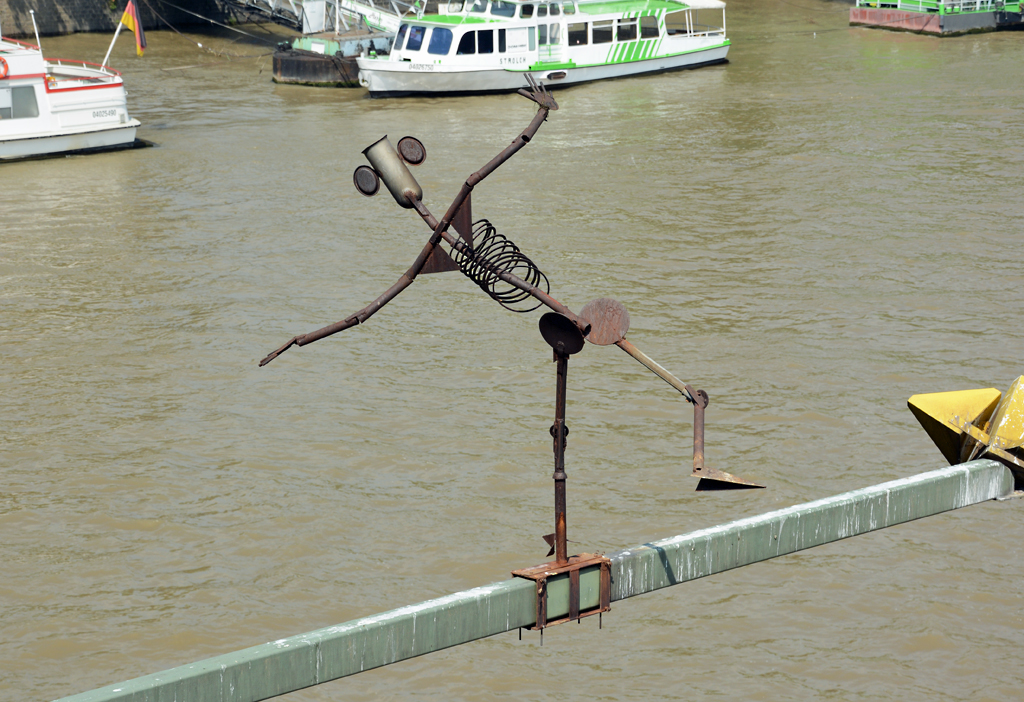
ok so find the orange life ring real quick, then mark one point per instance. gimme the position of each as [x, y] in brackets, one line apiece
[3, 68]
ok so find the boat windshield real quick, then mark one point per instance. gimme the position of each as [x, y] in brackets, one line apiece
[400, 39]
[415, 38]
[478, 7]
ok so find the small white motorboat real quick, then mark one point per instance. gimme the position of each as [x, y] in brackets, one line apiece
[56, 106]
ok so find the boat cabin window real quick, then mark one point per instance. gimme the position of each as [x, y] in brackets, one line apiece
[440, 41]
[577, 33]
[503, 9]
[626, 30]
[526, 10]
[416, 35]
[602, 31]
[568, 8]
[485, 41]
[481, 42]
[675, 22]
[479, 7]
[648, 27]
[23, 102]
[542, 10]
[400, 39]
[16, 103]
[554, 9]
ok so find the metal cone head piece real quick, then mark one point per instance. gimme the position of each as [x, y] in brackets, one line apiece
[391, 168]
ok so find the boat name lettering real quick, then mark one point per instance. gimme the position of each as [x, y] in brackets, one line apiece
[513, 59]
[96, 114]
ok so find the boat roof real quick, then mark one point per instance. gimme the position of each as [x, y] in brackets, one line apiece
[691, 4]
[589, 7]
[593, 7]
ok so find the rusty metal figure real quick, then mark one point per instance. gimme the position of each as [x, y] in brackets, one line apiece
[497, 265]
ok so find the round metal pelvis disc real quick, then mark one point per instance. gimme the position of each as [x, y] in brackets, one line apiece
[366, 181]
[561, 334]
[412, 150]
[608, 320]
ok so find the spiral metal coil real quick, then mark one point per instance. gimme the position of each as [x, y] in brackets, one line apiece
[492, 254]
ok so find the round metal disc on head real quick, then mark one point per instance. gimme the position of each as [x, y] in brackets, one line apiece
[366, 181]
[608, 320]
[412, 150]
[561, 334]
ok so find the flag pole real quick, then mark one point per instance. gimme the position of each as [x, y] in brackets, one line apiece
[36, 28]
[118, 31]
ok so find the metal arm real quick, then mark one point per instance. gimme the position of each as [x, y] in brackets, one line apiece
[546, 103]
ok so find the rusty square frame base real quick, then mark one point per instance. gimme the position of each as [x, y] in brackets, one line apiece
[540, 574]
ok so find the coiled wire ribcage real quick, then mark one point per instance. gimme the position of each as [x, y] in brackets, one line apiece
[492, 254]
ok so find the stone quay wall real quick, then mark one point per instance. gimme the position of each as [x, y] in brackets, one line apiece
[56, 17]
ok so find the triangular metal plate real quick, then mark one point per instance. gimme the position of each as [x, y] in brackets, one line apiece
[942, 414]
[439, 260]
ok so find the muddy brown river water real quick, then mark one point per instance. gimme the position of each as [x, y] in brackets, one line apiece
[815, 231]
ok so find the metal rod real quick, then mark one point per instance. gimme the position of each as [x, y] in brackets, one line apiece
[117, 33]
[558, 433]
[654, 367]
[35, 28]
[698, 432]
[301, 661]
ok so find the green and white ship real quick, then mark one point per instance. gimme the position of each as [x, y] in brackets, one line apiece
[485, 46]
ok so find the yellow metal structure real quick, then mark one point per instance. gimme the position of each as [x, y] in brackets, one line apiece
[1007, 425]
[969, 424]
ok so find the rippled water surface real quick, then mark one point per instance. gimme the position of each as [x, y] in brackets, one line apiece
[813, 232]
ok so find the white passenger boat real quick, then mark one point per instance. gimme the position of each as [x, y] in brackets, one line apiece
[483, 46]
[50, 106]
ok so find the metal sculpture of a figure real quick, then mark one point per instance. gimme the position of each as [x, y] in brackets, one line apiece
[497, 265]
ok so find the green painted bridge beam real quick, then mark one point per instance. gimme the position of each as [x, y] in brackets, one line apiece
[297, 662]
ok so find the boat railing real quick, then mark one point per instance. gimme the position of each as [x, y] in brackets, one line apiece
[945, 7]
[694, 30]
[61, 70]
[22, 44]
